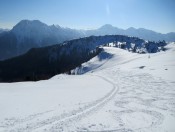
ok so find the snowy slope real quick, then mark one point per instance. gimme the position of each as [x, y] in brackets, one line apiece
[119, 91]
[146, 97]
[161, 64]
[27, 104]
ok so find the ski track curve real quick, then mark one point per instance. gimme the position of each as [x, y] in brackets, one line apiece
[151, 98]
[56, 123]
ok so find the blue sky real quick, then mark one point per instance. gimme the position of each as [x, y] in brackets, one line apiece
[157, 15]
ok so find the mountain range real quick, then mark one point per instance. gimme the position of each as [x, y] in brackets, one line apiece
[29, 34]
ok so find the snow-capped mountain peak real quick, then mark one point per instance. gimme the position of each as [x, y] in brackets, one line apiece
[106, 26]
[34, 30]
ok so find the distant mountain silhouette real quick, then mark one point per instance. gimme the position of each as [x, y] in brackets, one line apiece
[141, 33]
[3, 30]
[29, 34]
[32, 34]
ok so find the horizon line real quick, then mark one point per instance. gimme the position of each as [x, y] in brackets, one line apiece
[83, 28]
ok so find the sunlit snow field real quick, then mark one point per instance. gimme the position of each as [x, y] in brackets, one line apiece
[116, 91]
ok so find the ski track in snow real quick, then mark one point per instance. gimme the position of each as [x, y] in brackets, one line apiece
[141, 95]
[142, 98]
[57, 122]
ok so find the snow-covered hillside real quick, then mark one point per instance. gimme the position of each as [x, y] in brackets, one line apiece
[118, 91]
[161, 64]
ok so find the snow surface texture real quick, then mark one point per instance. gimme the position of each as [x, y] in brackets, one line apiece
[119, 91]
